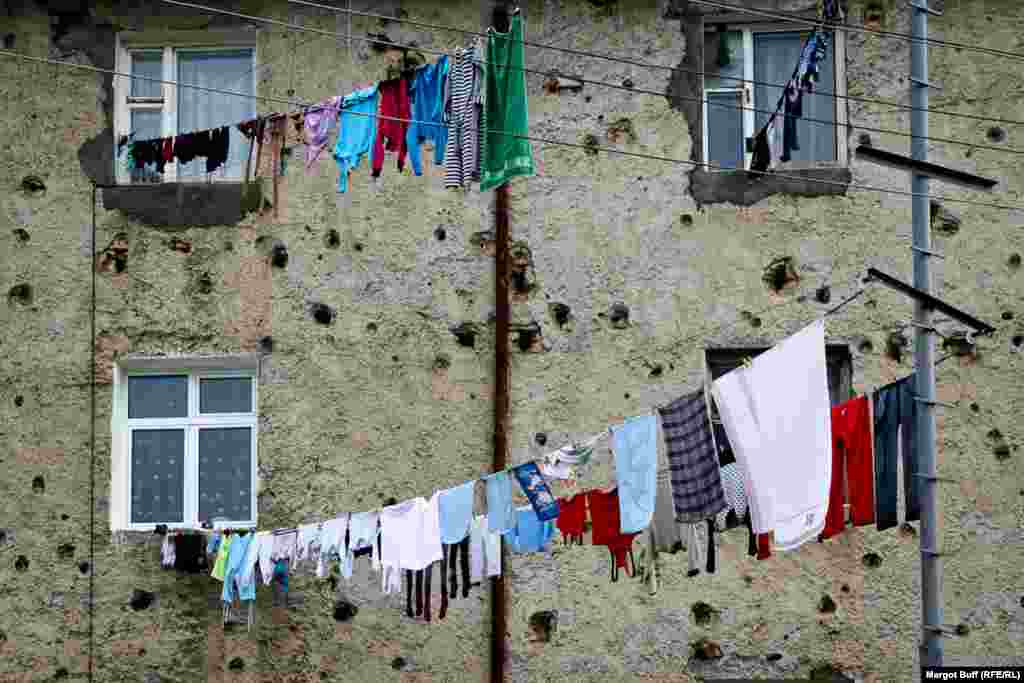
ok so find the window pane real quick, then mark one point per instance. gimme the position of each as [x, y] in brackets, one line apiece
[158, 396]
[723, 54]
[225, 474]
[775, 57]
[150, 65]
[725, 130]
[158, 476]
[201, 110]
[146, 125]
[227, 395]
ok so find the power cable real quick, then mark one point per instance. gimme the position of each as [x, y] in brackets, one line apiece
[558, 143]
[651, 65]
[630, 89]
[863, 29]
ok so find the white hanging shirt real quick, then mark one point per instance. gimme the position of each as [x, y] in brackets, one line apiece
[410, 535]
[777, 416]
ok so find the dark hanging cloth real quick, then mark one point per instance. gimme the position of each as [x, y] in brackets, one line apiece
[460, 550]
[793, 109]
[408, 593]
[145, 152]
[895, 415]
[762, 157]
[186, 147]
[220, 139]
[189, 553]
[751, 538]
[711, 546]
[725, 454]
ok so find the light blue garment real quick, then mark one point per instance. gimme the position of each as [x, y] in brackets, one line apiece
[233, 571]
[636, 468]
[357, 129]
[530, 534]
[213, 545]
[428, 106]
[456, 510]
[501, 517]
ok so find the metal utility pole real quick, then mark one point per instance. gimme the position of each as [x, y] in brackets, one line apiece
[503, 315]
[924, 348]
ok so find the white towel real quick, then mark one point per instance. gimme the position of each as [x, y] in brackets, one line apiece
[777, 416]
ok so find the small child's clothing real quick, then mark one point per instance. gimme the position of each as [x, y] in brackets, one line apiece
[222, 557]
[604, 516]
[530, 535]
[233, 586]
[572, 517]
[357, 130]
[393, 124]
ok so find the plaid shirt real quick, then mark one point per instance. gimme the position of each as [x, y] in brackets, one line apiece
[696, 483]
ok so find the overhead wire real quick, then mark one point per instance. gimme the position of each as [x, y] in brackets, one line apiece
[613, 86]
[864, 29]
[652, 65]
[558, 143]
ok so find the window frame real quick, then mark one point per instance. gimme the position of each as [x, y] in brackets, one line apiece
[123, 427]
[128, 42]
[837, 51]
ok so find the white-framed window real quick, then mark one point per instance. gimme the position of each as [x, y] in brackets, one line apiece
[737, 103]
[184, 446]
[147, 109]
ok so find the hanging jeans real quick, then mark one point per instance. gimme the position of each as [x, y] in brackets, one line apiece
[895, 422]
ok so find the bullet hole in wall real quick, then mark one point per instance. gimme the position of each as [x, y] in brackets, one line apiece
[590, 144]
[332, 239]
[20, 294]
[371, 328]
[60, 674]
[521, 267]
[181, 246]
[874, 15]
[229, 246]
[975, 408]
[686, 220]
[702, 612]
[21, 564]
[398, 663]
[626, 395]
[845, 588]
[1014, 260]
[864, 139]
[1017, 340]
[942, 219]
[358, 246]
[628, 83]
[872, 560]
[561, 313]
[705, 649]
[19, 401]
[823, 294]
[394, 359]
[9, 40]
[83, 567]
[774, 657]
[236, 664]
[1007, 315]
[279, 256]
[895, 344]
[38, 485]
[543, 625]
[826, 605]
[141, 599]
[908, 530]
[755, 322]
[204, 283]
[65, 517]
[65, 551]
[541, 438]
[21, 234]
[865, 346]
[528, 336]
[440, 234]
[345, 611]
[656, 371]
[266, 344]
[465, 334]
[115, 256]
[960, 344]
[996, 134]
[619, 316]
[323, 314]
[442, 362]
[780, 273]
[621, 130]
[33, 184]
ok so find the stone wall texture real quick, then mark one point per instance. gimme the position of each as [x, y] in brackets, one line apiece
[361, 409]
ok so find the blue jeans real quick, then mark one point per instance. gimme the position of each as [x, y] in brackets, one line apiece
[895, 409]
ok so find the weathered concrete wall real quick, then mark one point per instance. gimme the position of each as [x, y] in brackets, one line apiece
[384, 401]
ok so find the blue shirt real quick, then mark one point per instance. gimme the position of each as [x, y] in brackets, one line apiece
[456, 512]
[357, 129]
[427, 94]
[530, 534]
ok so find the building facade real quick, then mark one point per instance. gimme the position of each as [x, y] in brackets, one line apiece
[337, 349]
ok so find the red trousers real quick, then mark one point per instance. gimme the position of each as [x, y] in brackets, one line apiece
[395, 103]
[852, 464]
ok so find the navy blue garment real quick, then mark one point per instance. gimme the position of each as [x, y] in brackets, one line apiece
[895, 408]
[792, 109]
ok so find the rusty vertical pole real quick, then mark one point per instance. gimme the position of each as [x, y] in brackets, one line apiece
[502, 376]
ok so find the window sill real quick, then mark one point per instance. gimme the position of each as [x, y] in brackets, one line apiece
[181, 204]
[818, 179]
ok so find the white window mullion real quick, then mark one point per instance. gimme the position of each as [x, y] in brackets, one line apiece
[749, 115]
[192, 477]
[122, 117]
[170, 64]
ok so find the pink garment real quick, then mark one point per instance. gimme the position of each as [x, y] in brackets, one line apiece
[317, 124]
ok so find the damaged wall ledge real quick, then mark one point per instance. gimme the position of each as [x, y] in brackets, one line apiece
[185, 204]
[742, 189]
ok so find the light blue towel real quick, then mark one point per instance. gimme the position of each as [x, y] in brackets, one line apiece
[233, 570]
[636, 468]
[428, 113]
[456, 510]
[501, 517]
[530, 534]
[357, 129]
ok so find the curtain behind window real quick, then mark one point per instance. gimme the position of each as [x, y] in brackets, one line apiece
[199, 109]
[775, 57]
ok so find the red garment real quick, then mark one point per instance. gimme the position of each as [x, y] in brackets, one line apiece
[572, 515]
[394, 101]
[168, 151]
[604, 515]
[852, 463]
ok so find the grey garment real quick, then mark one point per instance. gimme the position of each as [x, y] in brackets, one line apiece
[895, 414]
[696, 483]
[665, 533]
[696, 542]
